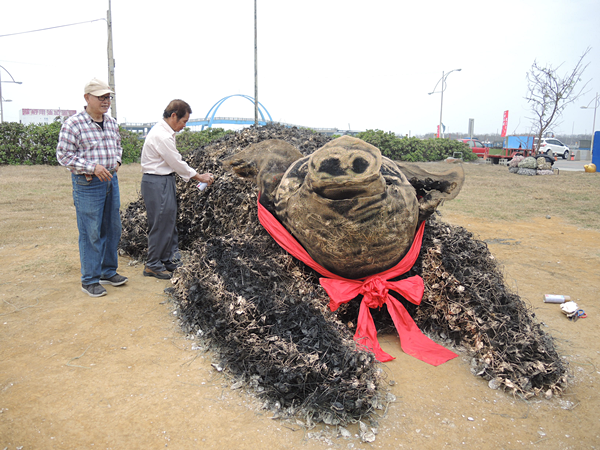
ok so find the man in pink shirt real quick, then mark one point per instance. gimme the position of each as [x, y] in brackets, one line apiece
[160, 162]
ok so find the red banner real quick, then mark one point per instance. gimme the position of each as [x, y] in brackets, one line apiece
[438, 131]
[505, 123]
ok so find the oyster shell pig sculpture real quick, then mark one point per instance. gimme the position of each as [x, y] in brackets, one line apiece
[352, 215]
[352, 209]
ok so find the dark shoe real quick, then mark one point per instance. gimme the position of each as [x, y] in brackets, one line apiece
[93, 290]
[115, 280]
[172, 266]
[161, 275]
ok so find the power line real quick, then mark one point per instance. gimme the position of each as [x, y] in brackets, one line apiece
[51, 28]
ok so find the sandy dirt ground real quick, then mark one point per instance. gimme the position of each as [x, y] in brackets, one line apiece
[117, 372]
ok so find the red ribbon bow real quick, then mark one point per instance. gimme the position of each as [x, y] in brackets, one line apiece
[375, 292]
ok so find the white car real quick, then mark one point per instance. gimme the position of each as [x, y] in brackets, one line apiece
[556, 147]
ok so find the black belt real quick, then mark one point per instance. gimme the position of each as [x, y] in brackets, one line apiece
[172, 174]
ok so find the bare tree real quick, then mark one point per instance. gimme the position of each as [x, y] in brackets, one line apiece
[549, 94]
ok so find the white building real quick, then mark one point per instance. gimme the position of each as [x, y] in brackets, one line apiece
[43, 116]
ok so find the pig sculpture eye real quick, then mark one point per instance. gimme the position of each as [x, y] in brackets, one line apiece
[332, 167]
[359, 165]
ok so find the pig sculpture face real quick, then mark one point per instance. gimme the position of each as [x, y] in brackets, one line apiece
[353, 210]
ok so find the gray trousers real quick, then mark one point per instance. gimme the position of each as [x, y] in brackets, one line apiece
[159, 194]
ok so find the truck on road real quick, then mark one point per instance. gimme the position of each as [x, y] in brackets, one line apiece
[511, 147]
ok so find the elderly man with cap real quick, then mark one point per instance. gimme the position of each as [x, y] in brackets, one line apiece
[160, 162]
[89, 145]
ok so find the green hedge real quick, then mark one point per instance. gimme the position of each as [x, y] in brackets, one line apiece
[28, 144]
[132, 146]
[414, 149]
[36, 143]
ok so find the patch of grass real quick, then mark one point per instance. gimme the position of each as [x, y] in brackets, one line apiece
[490, 191]
[130, 179]
[36, 204]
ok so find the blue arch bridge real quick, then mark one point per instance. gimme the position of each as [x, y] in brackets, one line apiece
[210, 119]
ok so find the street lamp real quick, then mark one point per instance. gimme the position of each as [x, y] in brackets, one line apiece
[1, 101]
[594, 124]
[443, 81]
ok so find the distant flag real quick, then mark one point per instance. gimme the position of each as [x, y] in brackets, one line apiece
[504, 123]
[438, 131]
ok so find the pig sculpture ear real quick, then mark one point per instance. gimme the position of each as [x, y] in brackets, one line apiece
[264, 163]
[432, 188]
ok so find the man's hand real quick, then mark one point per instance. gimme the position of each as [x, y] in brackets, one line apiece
[205, 178]
[102, 173]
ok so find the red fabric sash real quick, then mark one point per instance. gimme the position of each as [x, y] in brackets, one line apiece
[375, 294]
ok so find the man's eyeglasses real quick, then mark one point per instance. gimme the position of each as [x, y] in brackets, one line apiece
[104, 97]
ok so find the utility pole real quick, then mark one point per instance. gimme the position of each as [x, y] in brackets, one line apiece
[111, 62]
[255, 71]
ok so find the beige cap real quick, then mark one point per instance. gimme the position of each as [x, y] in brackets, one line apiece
[97, 87]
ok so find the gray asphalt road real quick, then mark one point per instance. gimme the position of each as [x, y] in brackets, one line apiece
[571, 166]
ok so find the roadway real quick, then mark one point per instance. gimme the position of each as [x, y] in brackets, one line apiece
[570, 166]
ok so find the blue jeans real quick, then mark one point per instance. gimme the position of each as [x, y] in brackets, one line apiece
[97, 207]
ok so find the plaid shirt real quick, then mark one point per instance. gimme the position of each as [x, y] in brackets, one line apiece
[82, 144]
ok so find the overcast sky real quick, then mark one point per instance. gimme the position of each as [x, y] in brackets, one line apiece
[323, 64]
